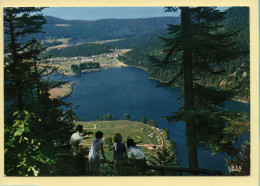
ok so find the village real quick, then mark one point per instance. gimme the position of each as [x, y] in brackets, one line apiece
[63, 65]
[106, 60]
[92, 58]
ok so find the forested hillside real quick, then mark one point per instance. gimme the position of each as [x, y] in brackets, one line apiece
[89, 31]
[89, 49]
[237, 72]
[133, 42]
[238, 19]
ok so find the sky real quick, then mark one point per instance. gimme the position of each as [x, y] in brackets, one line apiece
[95, 13]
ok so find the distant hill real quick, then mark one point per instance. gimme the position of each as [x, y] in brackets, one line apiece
[238, 19]
[105, 29]
[89, 49]
[138, 40]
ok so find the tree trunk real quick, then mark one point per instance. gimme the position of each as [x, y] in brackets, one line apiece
[18, 81]
[37, 78]
[188, 88]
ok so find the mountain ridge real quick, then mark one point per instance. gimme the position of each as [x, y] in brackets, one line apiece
[50, 18]
[103, 29]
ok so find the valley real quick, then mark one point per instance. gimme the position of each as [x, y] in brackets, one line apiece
[164, 81]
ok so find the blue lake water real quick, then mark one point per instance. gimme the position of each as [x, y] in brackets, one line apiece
[130, 90]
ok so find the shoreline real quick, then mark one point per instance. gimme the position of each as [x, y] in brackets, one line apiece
[67, 89]
[152, 78]
[119, 65]
[241, 101]
[62, 91]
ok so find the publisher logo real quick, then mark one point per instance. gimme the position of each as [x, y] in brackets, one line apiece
[235, 168]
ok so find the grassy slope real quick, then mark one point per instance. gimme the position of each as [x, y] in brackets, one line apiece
[61, 92]
[125, 128]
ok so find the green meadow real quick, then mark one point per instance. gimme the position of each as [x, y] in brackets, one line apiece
[140, 132]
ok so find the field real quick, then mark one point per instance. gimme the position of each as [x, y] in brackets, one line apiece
[106, 61]
[109, 62]
[128, 129]
[63, 40]
[64, 67]
[107, 41]
[63, 45]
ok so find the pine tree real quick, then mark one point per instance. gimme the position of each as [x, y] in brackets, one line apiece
[18, 58]
[164, 157]
[197, 49]
[143, 119]
[108, 117]
[31, 117]
[127, 116]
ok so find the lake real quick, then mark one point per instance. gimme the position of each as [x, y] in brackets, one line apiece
[130, 90]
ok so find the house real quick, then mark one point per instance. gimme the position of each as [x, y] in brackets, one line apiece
[150, 146]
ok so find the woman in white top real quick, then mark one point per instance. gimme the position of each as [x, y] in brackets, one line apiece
[133, 151]
[94, 159]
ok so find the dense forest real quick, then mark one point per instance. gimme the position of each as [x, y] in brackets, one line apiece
[34, 125]
[237, 76]
[89, 31]
[139, 40]
[50, 44]
[89, 49]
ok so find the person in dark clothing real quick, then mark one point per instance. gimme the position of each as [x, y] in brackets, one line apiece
[119, 154]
